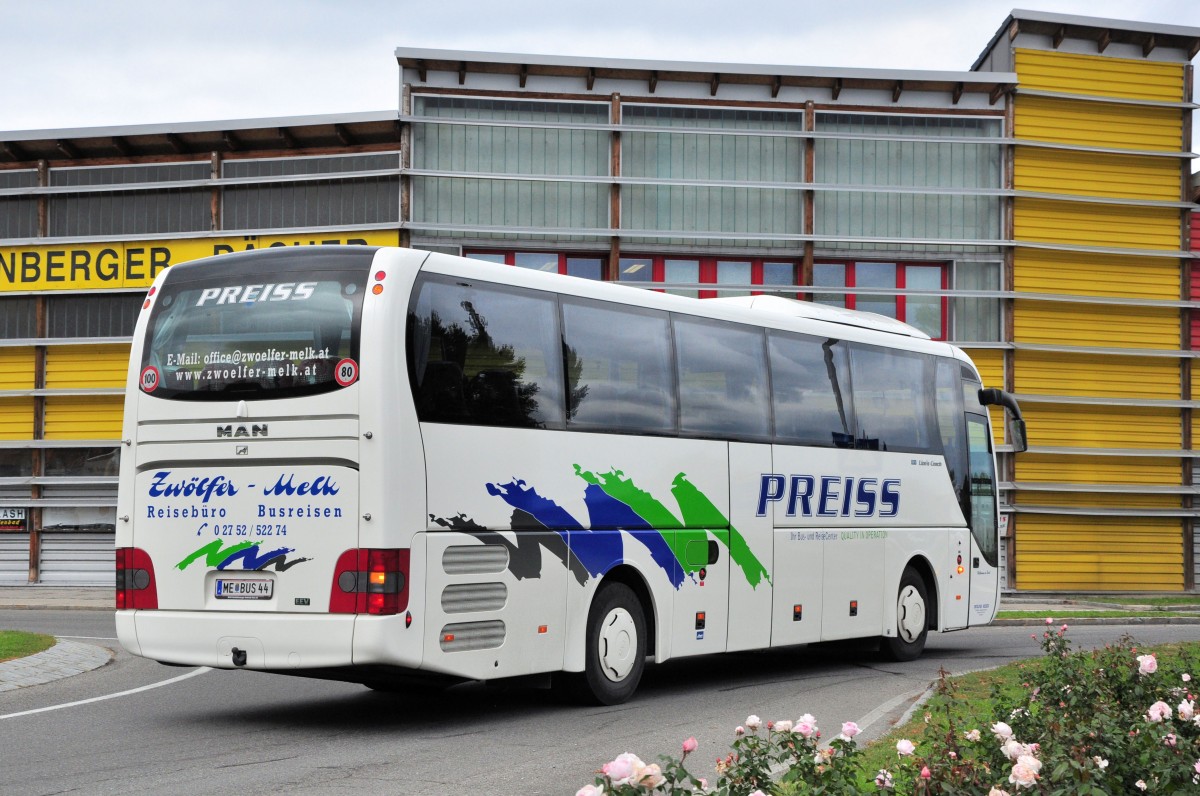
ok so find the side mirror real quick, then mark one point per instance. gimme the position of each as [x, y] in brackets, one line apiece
[1016, 434]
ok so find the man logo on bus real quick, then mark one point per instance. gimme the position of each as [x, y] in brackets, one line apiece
[830, 495]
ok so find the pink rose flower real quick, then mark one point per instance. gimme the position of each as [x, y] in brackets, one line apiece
[740, 731]
[1159, 711]
[689, 746]
[925, 772]
[884, 778]
[753, 723]
[805, 729]
[997, 792]
[1002, 731]
[1187, 678]
[1147, 664]
[850, 729]
[1186, 710]
[971, 735]
[1022, 776]
[589, 790]
[624, 770]
[649, 777]
[905, 747]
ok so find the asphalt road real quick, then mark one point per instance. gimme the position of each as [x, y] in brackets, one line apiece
[198, 731]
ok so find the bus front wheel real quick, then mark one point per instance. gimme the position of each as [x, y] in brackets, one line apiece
[616, 648]
[912, 622]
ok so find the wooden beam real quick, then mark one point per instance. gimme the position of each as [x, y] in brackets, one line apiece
[289, 140]
[1104, 40]
[1194, 50]
[66, 148]
[776, 86]
[13, 150]
[998, 92]
[176, 143]
[231, 142]
[653, 80]
[1149, 45]
[343, 135]
[462, 73]
[1059, 36]
[524, 74]
[897, 90]
[422, 70]
[837, 87]
[714, 84]
[956, 95]
[591, 77]
[122, 146]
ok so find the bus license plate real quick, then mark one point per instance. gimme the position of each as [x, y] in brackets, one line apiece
[244, 589]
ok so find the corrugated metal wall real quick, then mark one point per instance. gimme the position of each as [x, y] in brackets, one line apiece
[1080, 536]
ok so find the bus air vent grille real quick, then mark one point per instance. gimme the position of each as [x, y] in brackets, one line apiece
[466, 636]
[475, 559]
[462, 598]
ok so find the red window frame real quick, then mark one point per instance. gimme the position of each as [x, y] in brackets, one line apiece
[510, 258]
[707, 270]
[901, 284]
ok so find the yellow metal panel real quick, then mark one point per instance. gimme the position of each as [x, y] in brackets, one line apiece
[1115, 500]
[1052, 373]
[1048, 221]
[80, 366]
[1086, 274]
[990, 363]
[16, 368]
[1064, 121]
[1093, 325]
[84, 417]
[1103, 426]
[16, 418]
[1106, 553]
[1099, 75]
[1068, 469]
[1094, 174]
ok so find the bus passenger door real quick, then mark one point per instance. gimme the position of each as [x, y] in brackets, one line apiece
[984, 560]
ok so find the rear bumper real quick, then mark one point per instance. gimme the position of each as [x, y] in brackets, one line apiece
[277, 642]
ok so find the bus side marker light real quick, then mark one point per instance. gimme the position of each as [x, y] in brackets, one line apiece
[854, 608]
[377, 289]
[699, 620]
[407, 619]
[543, 630]
[797, 613]
[379, 275]
[958, 596]
[447, 638]
[960, 570]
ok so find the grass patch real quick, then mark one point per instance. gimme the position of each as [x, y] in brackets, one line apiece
[975, 705]
[1083, 613]
[18, 644]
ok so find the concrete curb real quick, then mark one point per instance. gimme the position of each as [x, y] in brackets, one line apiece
[64, 659]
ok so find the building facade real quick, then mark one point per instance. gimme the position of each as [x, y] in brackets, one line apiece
[1035, 210]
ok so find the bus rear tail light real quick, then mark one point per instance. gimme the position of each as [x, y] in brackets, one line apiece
[370, 581]
[136, 587]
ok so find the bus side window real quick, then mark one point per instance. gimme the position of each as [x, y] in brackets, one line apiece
[722, 379]
[952, 427]
[613, 385]
[893, 402]
[486, 355]
[810, 381]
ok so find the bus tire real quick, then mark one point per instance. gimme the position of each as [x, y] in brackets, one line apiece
[616, 648]
[912, 619]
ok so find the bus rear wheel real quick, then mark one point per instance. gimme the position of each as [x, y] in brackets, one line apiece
[912, 622]
[616, 648]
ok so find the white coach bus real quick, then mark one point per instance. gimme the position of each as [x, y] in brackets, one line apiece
[363, 464]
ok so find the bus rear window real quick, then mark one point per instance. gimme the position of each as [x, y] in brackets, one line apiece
[254, 336]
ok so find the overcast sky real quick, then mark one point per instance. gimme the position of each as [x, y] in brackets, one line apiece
[83, 63]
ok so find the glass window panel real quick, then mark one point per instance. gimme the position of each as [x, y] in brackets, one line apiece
[811, 389]
[733, 272]
[682, 272]
[983, 486]
[611, 384]
[15, 463]
[892, 402]
[491, 257]
[977, 319]
[77, 462]
[486, 355]
[924, 312]
[636, 269]
[951, 423]
[779, 274]
[722, 380]
[586, 267]
[829, 275]
[868, 275]
[538, 261]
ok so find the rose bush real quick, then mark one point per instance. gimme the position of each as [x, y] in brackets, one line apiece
[1086, 723]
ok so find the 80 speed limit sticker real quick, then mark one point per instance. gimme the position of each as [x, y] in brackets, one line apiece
[346, 372]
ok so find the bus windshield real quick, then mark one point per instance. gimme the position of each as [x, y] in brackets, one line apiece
[222, 333]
